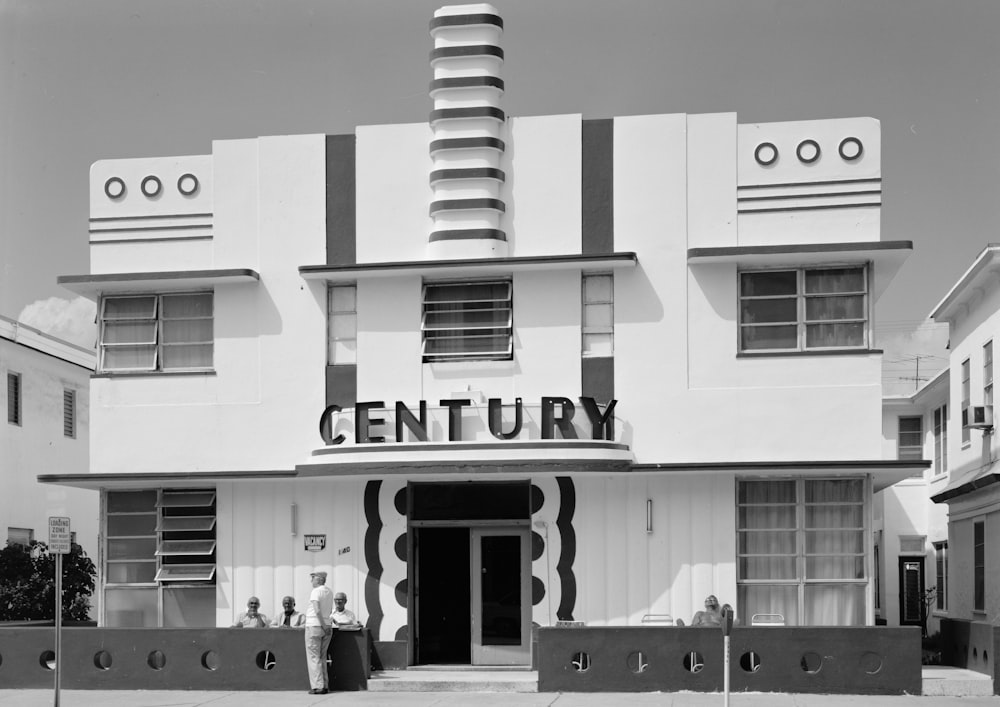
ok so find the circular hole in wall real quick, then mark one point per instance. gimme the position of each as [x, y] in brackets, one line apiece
[102, 660]
[156, 660]
[750, 662]
[871, 663]
[766, 153]
[266, 660]
[580, 662]
[811, 662]
[637, 662]
[151, 186]
[851, 148]
[114, 188]
[187, 184]
[210, 660]
[693, 662]
[808, 151]
[47, 660]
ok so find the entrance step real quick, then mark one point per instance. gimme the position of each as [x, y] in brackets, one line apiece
[943, 680]
[453, 679]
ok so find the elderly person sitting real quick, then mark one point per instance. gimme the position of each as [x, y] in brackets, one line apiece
[289, 617]
[251, 618]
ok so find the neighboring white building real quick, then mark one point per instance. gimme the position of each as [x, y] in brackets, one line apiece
[46, 397]
[972, 310]
[571, 369]
[911, 531]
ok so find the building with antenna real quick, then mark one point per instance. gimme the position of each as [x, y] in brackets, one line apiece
[492, 372]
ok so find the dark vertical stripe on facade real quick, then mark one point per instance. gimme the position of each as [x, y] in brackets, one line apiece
[564, 522]
[340, 200]
[342, 385]
[598, 378]
[372, 559]
[597, 187]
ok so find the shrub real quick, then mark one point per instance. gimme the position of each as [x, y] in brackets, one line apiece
[28, 586]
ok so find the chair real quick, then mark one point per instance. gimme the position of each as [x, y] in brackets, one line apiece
[767, 620]
[657, 620]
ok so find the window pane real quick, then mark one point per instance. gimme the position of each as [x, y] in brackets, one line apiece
[767, 568]
[598, 345]
[129, 307]
[144, 524]
[766, 311]
[829, 335]
[767, 491]
[835, 280]
[770, 337]
[598, 288]
[834, 541]
[187, 331]
[344, 326]
[763, 284]
[769, 599]
[343, 299]
[598, 316]
[834, 490]
[130, 608]
[131, 501]
[766, 517]
[185, 573]
[187, 356]
[175, 524]
[835, 605]
[834, 517]
[344, 352]
[830, 567]
[130, 357]
[131, 572]
[183, 499]
[186, 547]
[187, 305]
[131, 548]
[189, 607]
[755, 542]
[134, 332]
[827, 308]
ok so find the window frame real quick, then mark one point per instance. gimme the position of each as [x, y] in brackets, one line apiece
[69, 413]
[336, 312]
[15, 399]
[907, 451]
[966, 383]
[589, 330]
[801, 298]
[988, 373]
[506, 331]
[13, 533]
[979, 565]
[157, 344]
[940, 423]
[941, 575]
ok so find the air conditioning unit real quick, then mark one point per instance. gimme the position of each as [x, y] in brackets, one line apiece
[980, 417]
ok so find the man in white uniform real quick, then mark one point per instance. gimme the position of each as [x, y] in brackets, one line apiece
[319, 632]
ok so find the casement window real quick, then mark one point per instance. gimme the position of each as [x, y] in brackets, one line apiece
[941, 439]
[988, 373]
[166, 332]
[343, 325]
[801, 550]
[14, 398]
[467, 321]
[598, 315]
[160, 558]
[910, 439]
[805, 309]
[941, 571]
[20, 536]
[966, 391]
[69, 413]
[979, 566]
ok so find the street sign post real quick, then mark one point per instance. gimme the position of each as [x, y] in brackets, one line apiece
[727, 628]
[60, 539]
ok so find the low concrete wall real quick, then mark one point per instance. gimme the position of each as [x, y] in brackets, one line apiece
[818, 660]
[973, 645]
[177, 659]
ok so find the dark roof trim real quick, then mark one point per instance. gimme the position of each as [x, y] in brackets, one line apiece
[467, 82]
[163, 276]
[466, 50]
[467, 143]
[466, 205]
[471, 447]
[439, 175]
[468, 234]
[466, 20]
[98, 481]
[731, 251]
[860, 464]
[966, 488]
[473, 112]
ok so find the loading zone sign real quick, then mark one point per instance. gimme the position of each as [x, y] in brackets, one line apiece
[59, 535]
[315, 543]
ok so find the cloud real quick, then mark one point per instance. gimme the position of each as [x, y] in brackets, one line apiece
[69, 320]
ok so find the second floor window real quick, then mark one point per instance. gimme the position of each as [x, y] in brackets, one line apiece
[167, 332]
[467, 321]
[804, 309]
[941, 439]
[343, 326]
[14, 398]
[598, 315]
[911, 438]
[966, 390]
[69, 413]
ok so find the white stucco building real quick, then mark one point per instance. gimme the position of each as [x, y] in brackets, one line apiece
[46, 397]
[491, 371]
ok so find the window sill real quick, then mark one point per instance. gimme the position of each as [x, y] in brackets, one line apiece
[823, 352]
[147, 374]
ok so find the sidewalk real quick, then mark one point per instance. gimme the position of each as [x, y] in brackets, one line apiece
[182, 698]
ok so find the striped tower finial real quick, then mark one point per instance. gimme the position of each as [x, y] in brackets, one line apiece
[469, 129]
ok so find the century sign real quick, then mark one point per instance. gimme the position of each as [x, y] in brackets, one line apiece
[600, 421]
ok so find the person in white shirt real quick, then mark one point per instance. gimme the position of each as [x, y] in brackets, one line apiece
[342, 616]
[319, 632]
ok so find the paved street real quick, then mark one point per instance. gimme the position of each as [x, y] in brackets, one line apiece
[178, 698]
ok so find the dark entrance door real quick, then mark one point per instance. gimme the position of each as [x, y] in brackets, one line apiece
[911, 591]
[441, 598]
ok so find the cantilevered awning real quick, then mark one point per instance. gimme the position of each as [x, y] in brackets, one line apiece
[967, 483]
[91, 286]
[141, 480]
[888, 256]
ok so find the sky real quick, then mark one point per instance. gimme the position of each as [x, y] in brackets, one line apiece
[83, 80]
